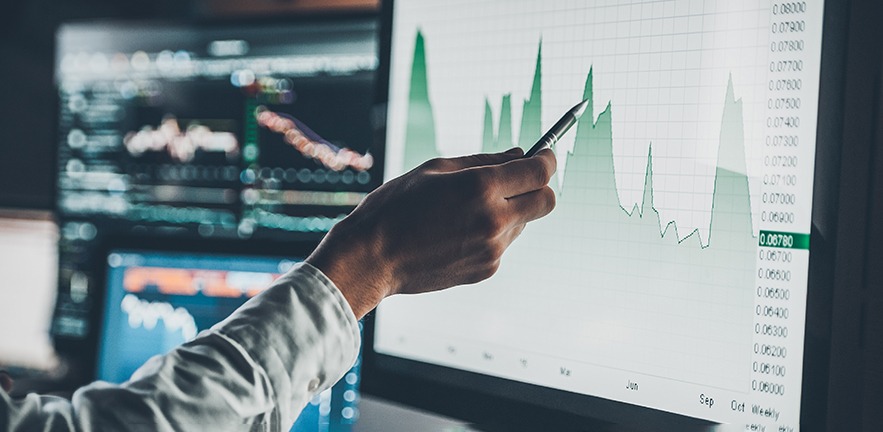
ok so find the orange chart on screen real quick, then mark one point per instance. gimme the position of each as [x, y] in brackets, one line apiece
[188, 282]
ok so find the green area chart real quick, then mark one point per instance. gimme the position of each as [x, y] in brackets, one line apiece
[591, 162]
[597, 245]
[420, 134]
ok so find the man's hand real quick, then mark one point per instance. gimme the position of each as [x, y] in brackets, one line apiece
[445, 223]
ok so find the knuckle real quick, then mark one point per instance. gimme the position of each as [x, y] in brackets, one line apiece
[475, 183]
[491, 269]
[474, 278]
[550, 199]
[483, 273]
[552, 164]
[492, 253]
[489, 224]
[518, 230]
[433, 164]
[497, 251]
[540, 173]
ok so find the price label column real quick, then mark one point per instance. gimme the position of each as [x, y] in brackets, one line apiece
[785, 208]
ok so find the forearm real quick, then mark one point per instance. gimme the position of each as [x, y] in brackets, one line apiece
[260, 366]
[301, 332]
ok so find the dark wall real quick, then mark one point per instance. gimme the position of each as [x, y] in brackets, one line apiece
[27, 98]
[856, 372]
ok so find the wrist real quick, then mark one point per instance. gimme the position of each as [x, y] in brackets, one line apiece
[351, 262]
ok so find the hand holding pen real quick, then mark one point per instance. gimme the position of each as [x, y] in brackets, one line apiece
[559, 129]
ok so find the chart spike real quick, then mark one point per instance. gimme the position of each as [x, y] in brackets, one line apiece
[420, 135]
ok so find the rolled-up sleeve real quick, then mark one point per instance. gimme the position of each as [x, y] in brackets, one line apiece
[254, 371]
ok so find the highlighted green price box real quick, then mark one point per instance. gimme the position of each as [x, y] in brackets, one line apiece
[784, 240]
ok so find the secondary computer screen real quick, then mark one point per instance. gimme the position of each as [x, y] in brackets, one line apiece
[227, 131]
[157, 301]
[28, 266]
[673, 272]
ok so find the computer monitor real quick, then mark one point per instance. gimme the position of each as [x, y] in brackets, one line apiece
[670, 287]
[195, 132]
[156, 301]
[28, 269]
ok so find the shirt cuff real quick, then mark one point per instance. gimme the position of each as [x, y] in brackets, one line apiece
[301, 331]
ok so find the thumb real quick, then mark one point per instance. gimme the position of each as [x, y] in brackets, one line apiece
[481, 159]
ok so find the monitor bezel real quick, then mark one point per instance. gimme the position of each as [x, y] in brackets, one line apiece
[501, 404]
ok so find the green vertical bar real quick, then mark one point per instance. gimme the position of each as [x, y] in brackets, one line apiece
[250, 147]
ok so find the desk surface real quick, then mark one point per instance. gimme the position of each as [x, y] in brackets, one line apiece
[377, 415]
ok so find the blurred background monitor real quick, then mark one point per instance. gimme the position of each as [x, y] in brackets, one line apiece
[239, 133]
[28, 267]
[156, 301]
[27, 41]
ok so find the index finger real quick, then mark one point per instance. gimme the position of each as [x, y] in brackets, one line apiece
[477, 160]
[521, 176]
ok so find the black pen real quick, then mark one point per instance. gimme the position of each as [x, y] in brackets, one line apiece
[556, 132]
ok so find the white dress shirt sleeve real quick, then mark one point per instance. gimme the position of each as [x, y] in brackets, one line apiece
[255, 370]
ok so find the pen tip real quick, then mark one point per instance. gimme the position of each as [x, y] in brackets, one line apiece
[580, 108]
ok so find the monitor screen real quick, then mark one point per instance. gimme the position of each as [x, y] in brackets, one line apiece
[673, 273]
[243, 128]
[156, 301]
[28, 269]
[207, 131]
